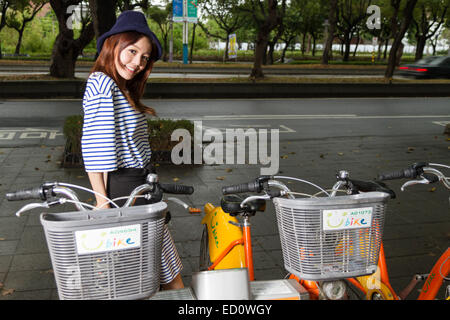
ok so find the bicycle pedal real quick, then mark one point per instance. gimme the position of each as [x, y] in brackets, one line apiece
[421, 277]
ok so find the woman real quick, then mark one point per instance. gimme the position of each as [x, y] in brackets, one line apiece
[115, 146]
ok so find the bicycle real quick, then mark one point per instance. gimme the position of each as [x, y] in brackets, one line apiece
[377, 286]
[104, 253]
[226, 243]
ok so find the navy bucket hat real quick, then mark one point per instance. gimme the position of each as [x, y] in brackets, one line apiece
[131, 21]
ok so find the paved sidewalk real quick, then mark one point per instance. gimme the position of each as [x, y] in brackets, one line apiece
[417, 228]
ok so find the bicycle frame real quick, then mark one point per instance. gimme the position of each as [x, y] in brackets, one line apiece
[379, 281]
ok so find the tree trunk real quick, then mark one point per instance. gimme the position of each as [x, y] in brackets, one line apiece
[103, 13]
[66, 49]
[407, 17]
[227, 42]
[192, 43]
[421, 41]
[64, 56]
[19, 42]
[270, 53]
[260, 52]
[347, 41]
[331, 29]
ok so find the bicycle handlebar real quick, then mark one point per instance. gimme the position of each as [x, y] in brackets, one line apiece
[36, 193]
[254, 186]
[409, 173]
[176, 188]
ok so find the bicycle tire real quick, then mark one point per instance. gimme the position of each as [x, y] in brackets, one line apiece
[353, 292]
[204, 260]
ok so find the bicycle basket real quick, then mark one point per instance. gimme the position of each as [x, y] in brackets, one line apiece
[106, 254]
[331, 238]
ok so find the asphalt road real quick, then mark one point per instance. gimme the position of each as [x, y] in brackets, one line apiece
[295, 118]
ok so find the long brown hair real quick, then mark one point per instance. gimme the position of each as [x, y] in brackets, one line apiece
[132, 89]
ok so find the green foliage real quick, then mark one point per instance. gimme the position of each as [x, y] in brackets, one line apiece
[160, 131]
[159, 134]
[72, 130]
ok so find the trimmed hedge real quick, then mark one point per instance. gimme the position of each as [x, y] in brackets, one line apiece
[159, 134]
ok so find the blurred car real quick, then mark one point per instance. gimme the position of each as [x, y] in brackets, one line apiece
[429, 67]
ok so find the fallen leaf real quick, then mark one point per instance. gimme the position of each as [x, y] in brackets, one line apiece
[80, 177]
[340, 153]
[228, 170]
[6, 292]
[220, 178]
[292, 152]
[411, 149]
[175, 179]
[433, 189]
[2, 239]
[36, 169]
[284, 157]
[322, 156]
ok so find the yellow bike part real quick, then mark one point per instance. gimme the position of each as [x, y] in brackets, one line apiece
[220, 234]
[373, 286]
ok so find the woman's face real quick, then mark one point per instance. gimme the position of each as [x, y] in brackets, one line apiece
[134, 58]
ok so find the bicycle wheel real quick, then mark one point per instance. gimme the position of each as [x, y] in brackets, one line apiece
[204, 261]
[353, 293]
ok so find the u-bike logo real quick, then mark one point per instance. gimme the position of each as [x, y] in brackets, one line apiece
[341, 219]
[108, 239]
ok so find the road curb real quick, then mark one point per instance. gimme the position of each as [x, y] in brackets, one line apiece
[172, 90]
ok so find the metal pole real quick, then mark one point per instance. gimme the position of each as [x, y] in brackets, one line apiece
[171, 42]
[185, 33]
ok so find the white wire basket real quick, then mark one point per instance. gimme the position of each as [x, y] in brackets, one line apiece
[106, 254]
[331, 238]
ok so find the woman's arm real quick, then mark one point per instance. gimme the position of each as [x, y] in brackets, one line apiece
[98, 182]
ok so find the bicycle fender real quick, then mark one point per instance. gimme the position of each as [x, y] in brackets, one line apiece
[221, 233]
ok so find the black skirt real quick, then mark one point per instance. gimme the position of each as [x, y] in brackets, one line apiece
[120, 184]
[124, 180]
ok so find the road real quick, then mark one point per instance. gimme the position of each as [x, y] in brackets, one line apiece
[295, 118]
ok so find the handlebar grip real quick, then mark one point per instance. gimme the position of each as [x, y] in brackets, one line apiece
[176, 188]
[26, 194]
[400, 174]
[241, 188]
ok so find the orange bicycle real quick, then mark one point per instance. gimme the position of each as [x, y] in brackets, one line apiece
[317, 256]
[377, 285]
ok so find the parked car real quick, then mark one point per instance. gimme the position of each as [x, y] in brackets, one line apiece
[429, 67]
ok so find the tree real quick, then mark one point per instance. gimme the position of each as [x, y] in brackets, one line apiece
[267, 15]
[332, 19]
[428, 17]
[67, 49]
[407, 17]
[23, 12]
[161, 17]
[226, 14]
[4, 4]
[350, 15]
[292, 22]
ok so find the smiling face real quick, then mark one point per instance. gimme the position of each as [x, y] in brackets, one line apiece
[133, 58]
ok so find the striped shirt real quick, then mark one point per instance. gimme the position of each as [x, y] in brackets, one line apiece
[114, 134]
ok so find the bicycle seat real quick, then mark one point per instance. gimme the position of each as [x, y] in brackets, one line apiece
[232, 204]
[367, 186]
